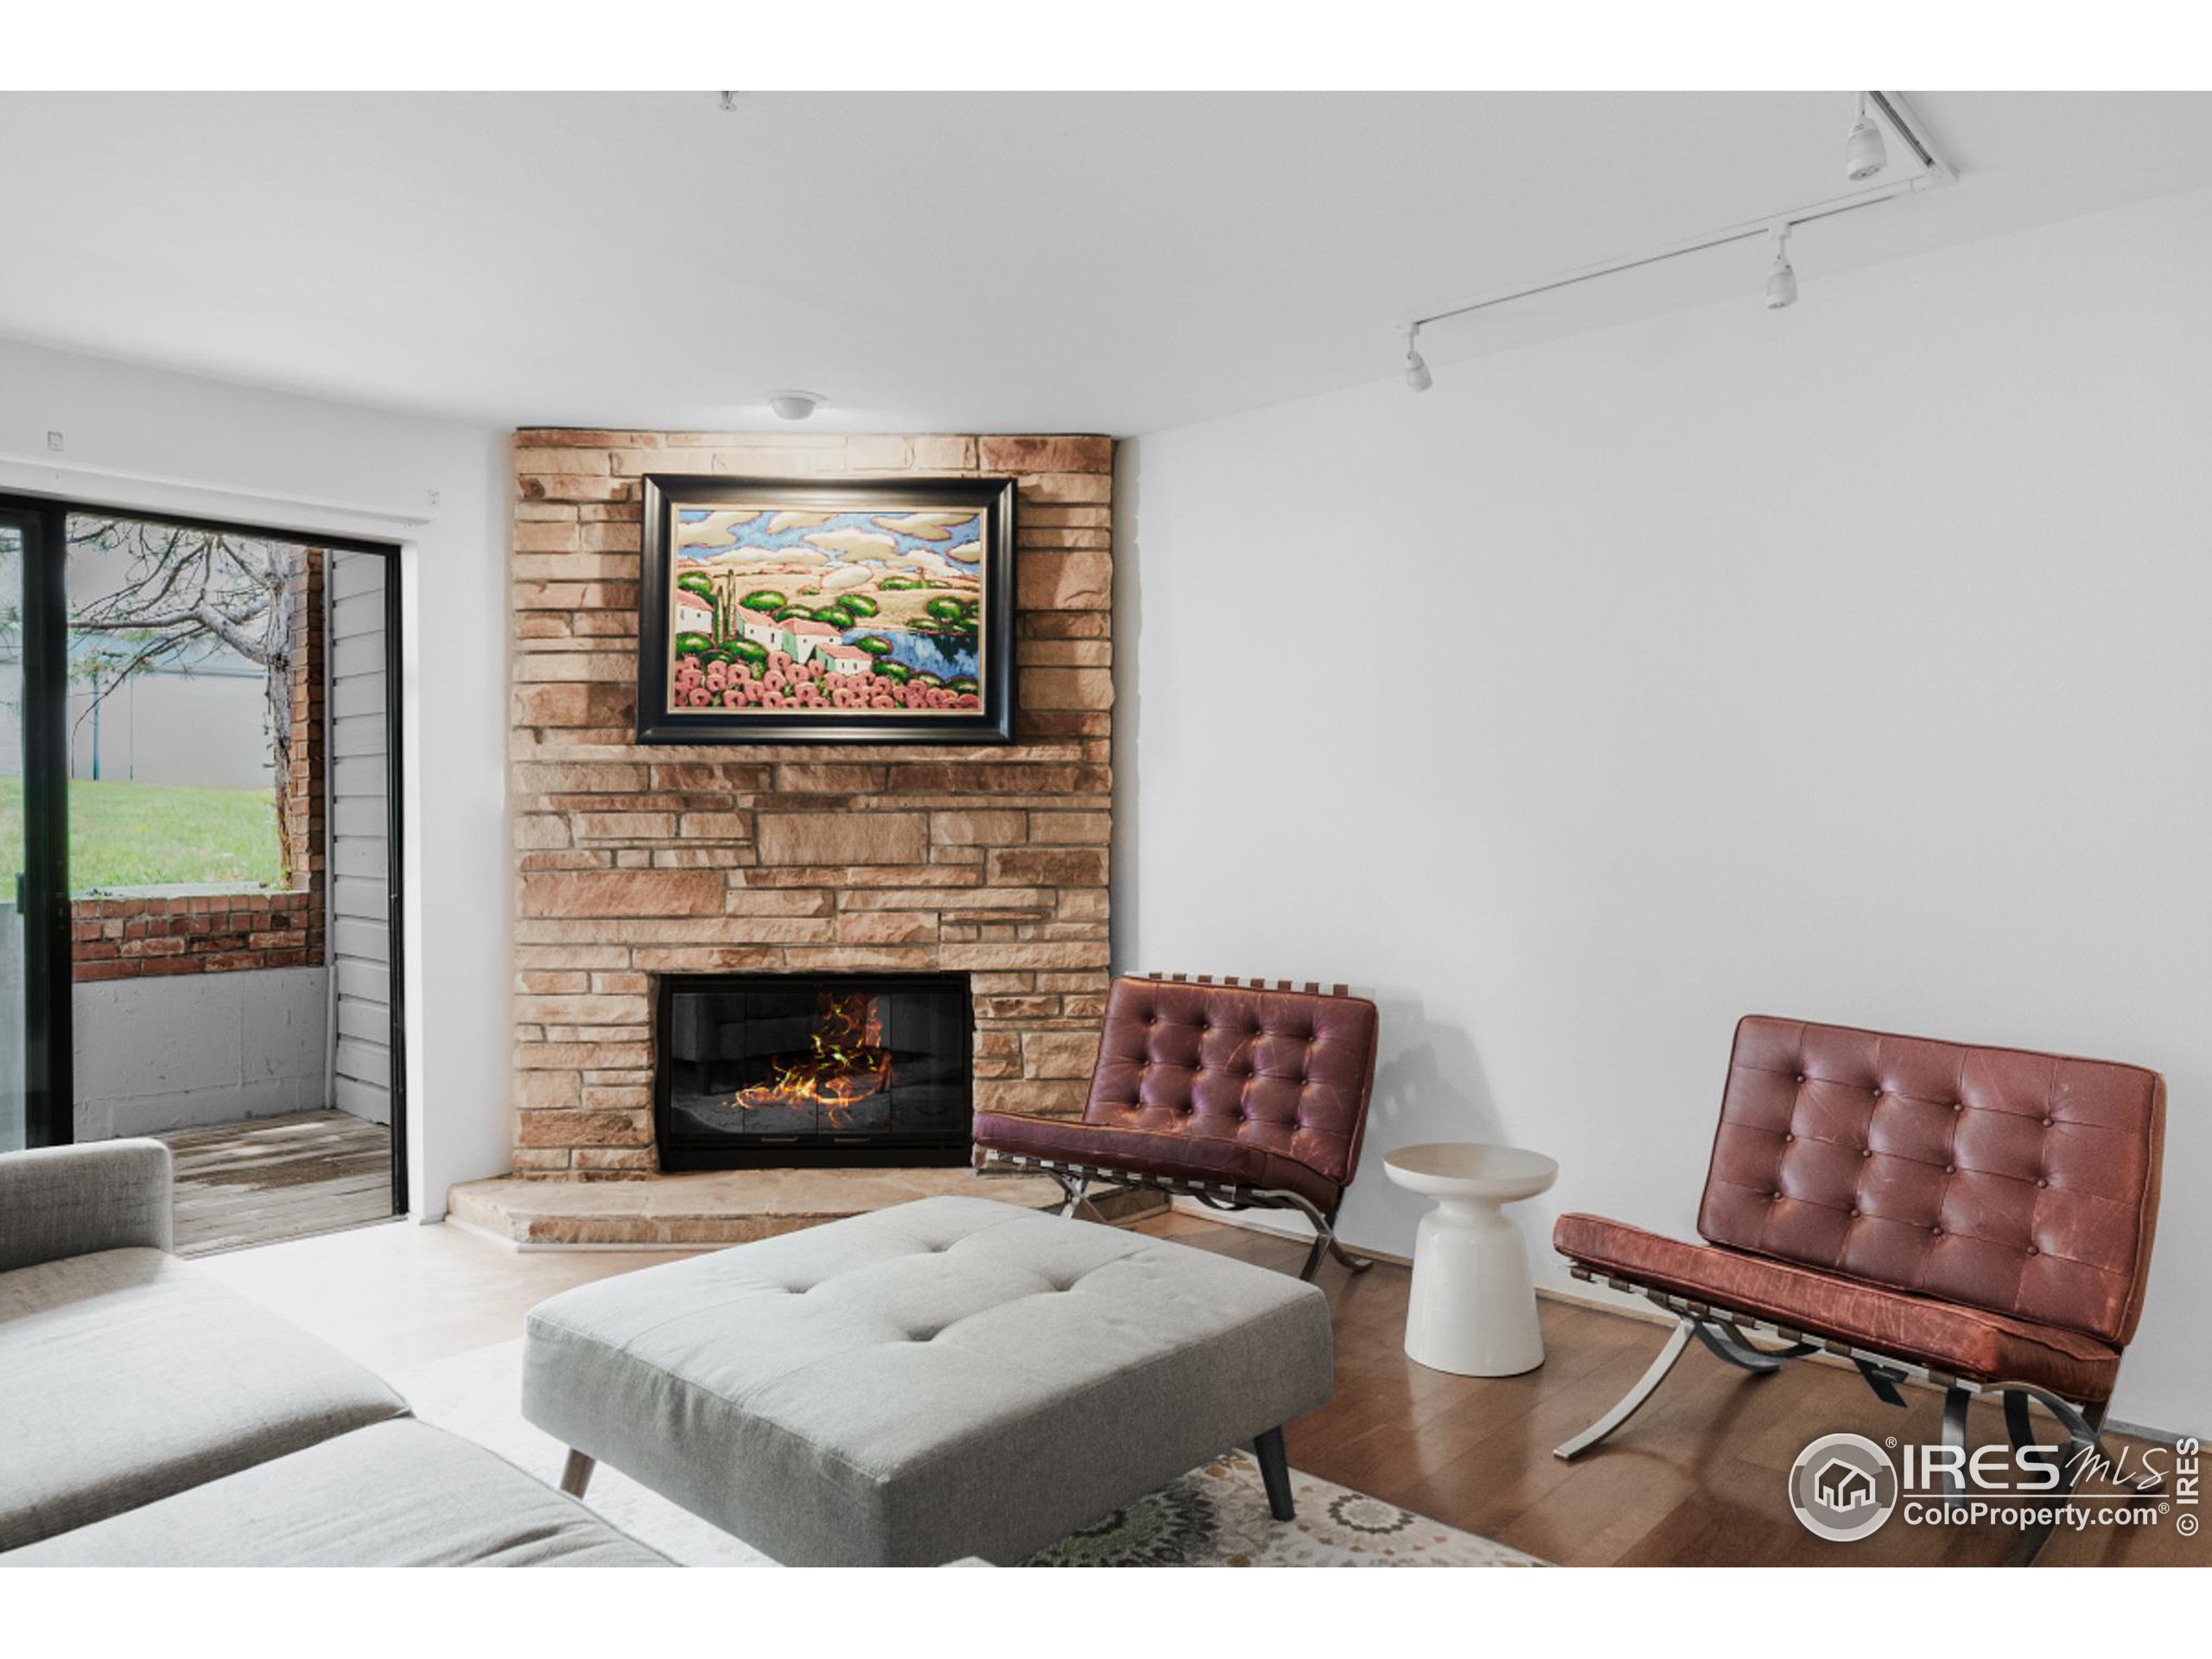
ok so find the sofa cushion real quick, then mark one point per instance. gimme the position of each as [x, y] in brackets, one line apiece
[57, 1202]
[129, 1377]
[950, 1377]
[397, 1494]
[1949, 1336]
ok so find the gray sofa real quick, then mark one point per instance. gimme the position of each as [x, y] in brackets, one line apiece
[157, 1419]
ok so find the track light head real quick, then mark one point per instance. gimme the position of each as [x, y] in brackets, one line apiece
[795, 405]
[1864, 153]
[1417, 374]
[1781, 281]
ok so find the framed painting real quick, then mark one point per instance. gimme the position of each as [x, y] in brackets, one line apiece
[873, 612]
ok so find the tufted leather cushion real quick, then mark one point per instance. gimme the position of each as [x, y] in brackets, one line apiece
[1964, 1341]
[2020, 1183]
[1147, 1152]
[1219, 1082]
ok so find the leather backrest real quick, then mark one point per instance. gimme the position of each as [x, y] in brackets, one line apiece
[2023, 1183]
[1289, 1071]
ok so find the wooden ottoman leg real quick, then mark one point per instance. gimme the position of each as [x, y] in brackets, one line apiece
[575, 1474]
[1274, 1471]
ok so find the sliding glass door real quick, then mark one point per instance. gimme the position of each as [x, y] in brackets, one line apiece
[34, 1027]
[15, 1121]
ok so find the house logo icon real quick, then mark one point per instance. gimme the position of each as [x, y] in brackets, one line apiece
[1843, 1487]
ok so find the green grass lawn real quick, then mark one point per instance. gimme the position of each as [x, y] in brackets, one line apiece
[142, 835]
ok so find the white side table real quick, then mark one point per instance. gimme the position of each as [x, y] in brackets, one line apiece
[1473, 1311]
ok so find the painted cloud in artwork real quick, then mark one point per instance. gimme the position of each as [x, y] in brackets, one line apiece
[927, 526]
[855, 543]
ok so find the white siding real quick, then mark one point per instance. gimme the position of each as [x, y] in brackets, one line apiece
[360, 850]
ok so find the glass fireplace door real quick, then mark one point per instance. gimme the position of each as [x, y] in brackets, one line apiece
[786, 1070]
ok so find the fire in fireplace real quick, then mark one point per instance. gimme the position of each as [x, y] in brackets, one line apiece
[797, 1069]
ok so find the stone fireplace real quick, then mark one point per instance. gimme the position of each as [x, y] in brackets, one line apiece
[636, 867]
[790, 1070]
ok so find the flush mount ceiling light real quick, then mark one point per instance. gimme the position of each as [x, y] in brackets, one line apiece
[795, 405]
[1781, 281]
[1417, 374]
[1864, 153]
[1877, 111]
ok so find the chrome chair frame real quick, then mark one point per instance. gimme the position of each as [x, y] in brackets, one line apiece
[1723, 1334]
[1075, 1181]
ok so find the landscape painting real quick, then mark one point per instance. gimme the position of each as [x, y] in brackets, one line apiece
[788, 613]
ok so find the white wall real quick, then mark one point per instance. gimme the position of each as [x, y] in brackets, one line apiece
[185, 1050]
[1847, 662]
[142, 437]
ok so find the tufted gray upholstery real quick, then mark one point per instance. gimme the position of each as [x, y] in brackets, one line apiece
[950, 1377]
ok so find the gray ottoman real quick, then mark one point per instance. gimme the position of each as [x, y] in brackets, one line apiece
[950, 1377]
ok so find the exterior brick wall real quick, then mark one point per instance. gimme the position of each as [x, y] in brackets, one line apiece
[302, 814]
[636, 862]
[135, 935]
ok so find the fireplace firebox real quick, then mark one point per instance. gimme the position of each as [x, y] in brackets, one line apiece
[760, 1069]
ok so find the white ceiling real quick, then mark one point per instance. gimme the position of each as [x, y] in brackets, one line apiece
[1098, 263]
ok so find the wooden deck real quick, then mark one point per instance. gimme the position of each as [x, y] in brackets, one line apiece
[278, 1178]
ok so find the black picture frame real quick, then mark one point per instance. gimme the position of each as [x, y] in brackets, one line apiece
[666, 494]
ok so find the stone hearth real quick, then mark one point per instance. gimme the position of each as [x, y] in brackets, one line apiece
[728, 1206]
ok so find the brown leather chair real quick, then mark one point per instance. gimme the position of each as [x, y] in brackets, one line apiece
[1979, 1219]
[1241, 1094]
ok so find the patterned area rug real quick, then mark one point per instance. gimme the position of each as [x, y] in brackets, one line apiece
[1218, 1516]
[1214, 1516]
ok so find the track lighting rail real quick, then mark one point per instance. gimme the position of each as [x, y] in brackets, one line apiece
[1934, 175]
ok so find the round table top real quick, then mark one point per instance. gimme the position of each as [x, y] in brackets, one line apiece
[1463, 1169]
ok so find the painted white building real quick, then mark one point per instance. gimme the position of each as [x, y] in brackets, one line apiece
[762, 629]
[693, 614]
[807, 636]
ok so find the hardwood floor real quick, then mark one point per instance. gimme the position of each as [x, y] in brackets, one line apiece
[1696, 1479]
[278, 1178]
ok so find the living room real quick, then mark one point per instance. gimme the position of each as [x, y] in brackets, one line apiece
[965, 981]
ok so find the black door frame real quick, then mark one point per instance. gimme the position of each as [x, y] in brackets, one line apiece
[49, 1099]
[49, 1090]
